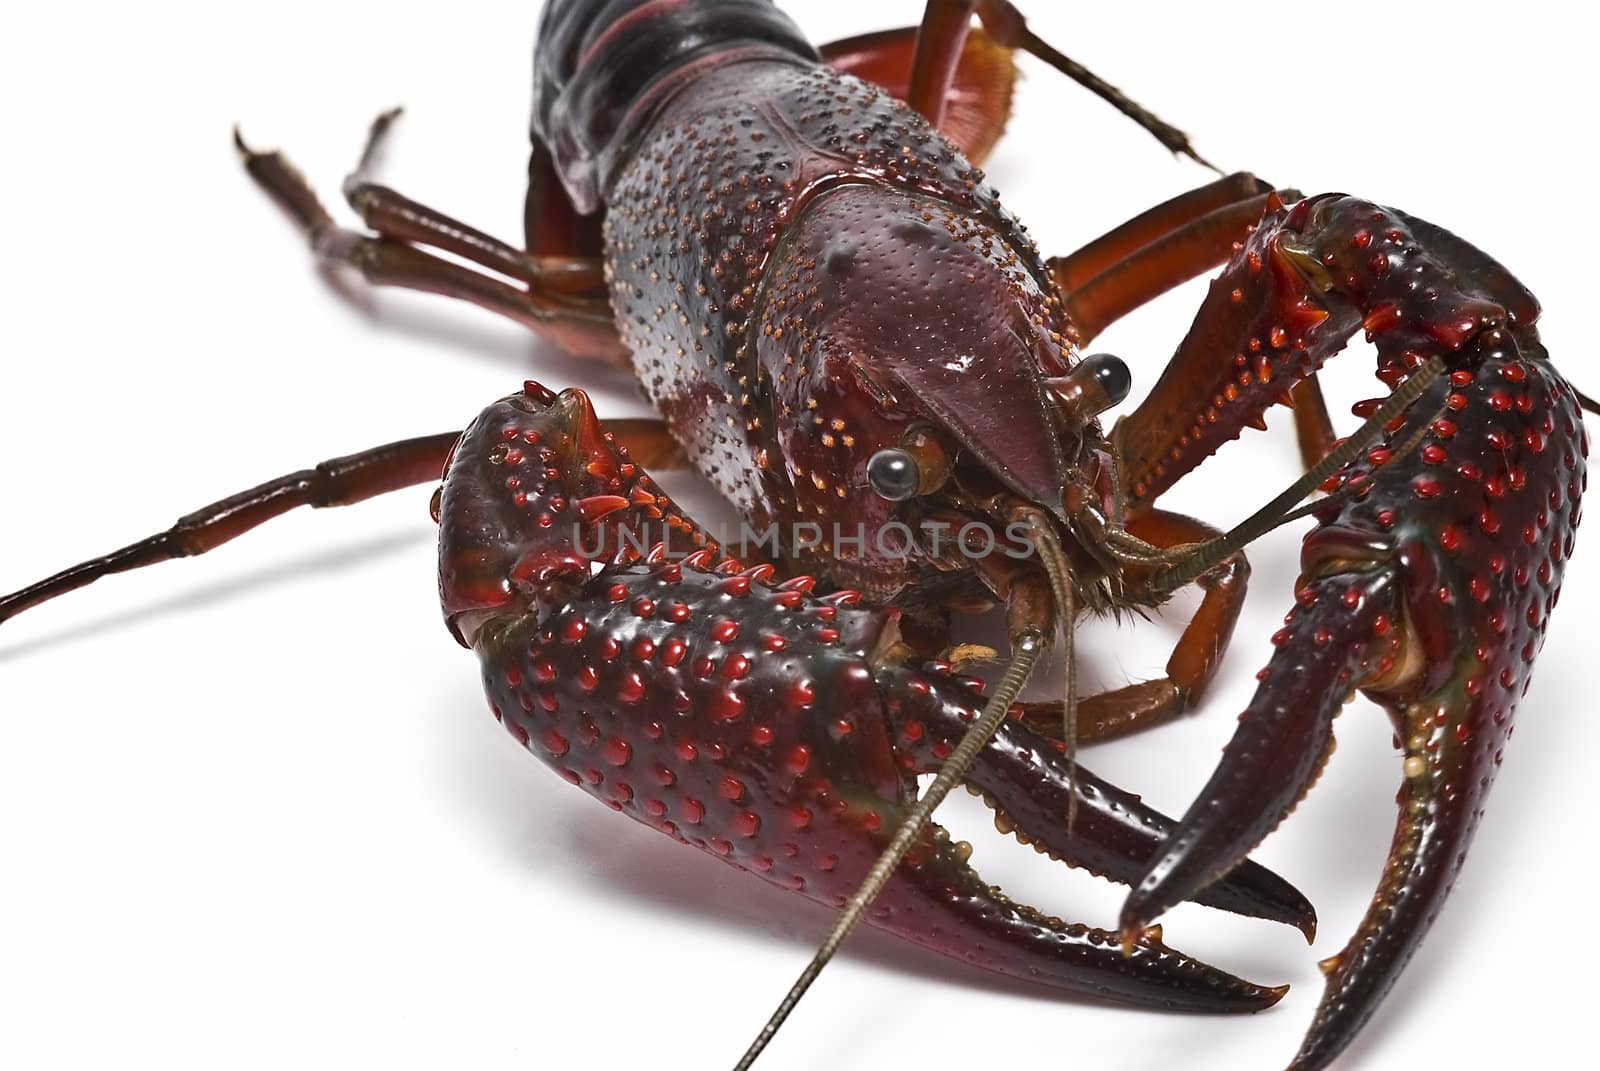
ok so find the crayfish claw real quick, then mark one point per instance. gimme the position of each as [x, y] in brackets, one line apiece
[1439, 808]
[654, 685]
[1428, 585]
[1024, 778]
[1283, 741]
[940, 901]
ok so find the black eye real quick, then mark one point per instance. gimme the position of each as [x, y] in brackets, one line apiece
[893, 474]
[1094, 385]
[1110, 374]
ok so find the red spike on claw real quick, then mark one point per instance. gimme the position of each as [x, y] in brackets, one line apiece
[1474, 624]
[595, 507]
[538, 392]
[1382, 318]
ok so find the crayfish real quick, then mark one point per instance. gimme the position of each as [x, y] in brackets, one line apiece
[713, 218]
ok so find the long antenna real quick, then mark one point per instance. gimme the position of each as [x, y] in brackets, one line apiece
[1267, 517]
[1024, 654]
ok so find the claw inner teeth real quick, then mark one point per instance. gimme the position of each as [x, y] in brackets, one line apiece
[1008, 825]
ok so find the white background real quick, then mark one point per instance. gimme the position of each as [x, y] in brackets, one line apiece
[253, 811]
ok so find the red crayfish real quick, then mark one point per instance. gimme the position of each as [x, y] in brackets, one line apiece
[706, 195]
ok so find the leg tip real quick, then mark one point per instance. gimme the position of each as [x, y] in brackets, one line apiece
[381, 124]
[376, 133]
[248, 155]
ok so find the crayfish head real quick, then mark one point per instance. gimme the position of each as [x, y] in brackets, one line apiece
[918, 365]
[536, 497]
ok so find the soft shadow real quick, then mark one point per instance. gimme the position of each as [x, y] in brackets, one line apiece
[324, 561]
[691, 885]
[545, 826]
[483, 337]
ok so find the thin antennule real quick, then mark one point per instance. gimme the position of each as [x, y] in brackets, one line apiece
[1354, 487]
[1269, 516]
[1063, 595]
[1024, 654]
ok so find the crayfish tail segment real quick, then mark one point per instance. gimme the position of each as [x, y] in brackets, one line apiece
[1025, 779]
[1284, 738]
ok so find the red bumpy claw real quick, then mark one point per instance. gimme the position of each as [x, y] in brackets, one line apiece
[1428, 585]
[777, 730]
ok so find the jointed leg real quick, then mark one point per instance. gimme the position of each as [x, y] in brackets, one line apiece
[562, 298]
[1147, 704]
[1074, 270]
[399, 218]
[1168, 245]
[1101, 282]
[1262, 330]
[552, 226]
[341, 481]
[649, 443]
[1313, 426]
[945, 25]
[977, 98]
[1156, 251]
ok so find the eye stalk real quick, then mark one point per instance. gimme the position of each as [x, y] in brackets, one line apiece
[920, 465]
[1098, 382]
